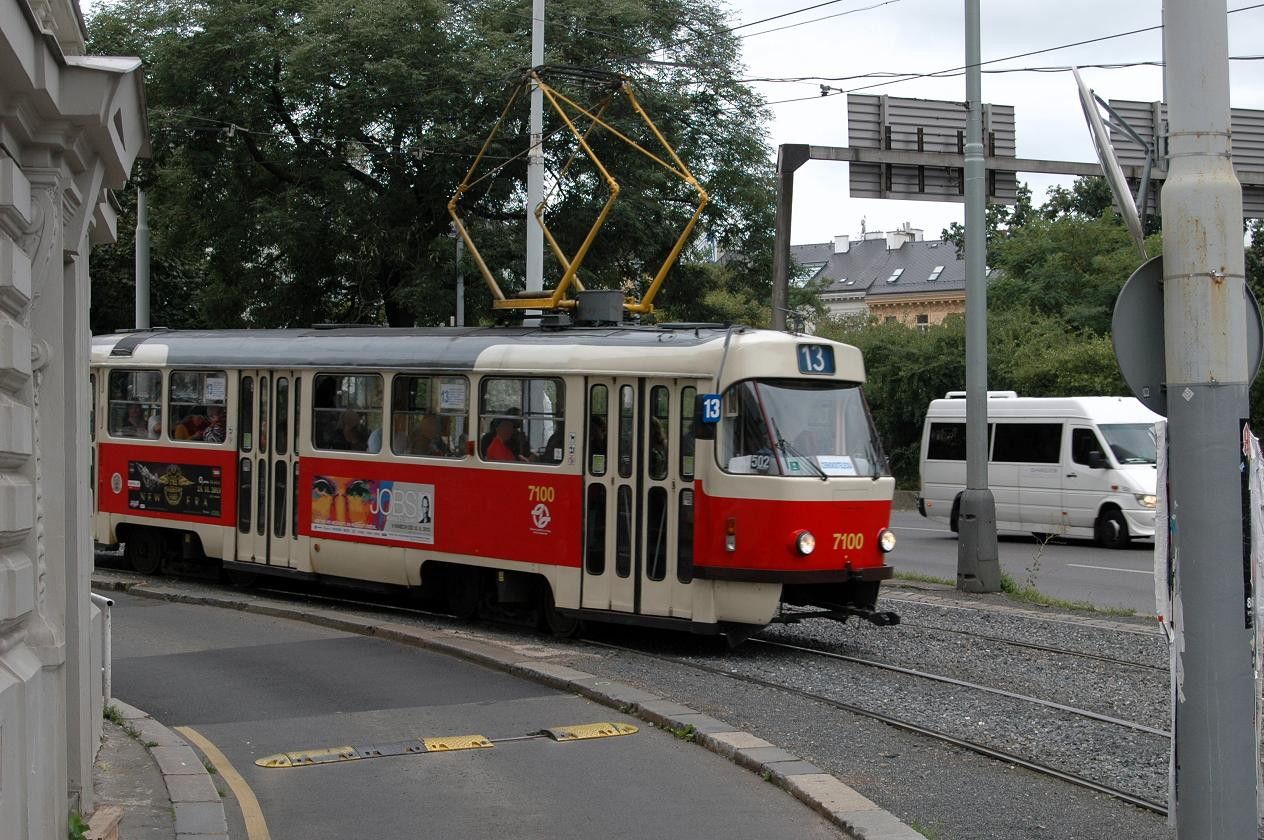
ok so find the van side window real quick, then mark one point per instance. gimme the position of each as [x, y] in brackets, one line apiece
[1028, 443]
[947, 442]
[1083, 443]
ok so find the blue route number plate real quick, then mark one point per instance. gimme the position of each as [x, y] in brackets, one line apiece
[816, 359]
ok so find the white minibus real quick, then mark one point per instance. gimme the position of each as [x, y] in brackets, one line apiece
[1073, 466]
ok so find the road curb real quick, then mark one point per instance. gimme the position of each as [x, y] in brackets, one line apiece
[195, 801]
[842, 805]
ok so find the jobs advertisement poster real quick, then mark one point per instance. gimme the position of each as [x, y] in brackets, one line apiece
[373, 508]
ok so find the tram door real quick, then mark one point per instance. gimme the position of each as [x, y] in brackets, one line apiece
[629, 533]
[265, 466]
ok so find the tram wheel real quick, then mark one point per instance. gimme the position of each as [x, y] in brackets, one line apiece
[143, 551]
[462, 588]
[557, 623]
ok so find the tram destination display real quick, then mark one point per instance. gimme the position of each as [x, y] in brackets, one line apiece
[193, 489]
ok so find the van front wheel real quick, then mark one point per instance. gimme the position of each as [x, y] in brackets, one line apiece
[1111, 529]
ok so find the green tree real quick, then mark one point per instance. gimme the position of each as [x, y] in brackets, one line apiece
[304, 150]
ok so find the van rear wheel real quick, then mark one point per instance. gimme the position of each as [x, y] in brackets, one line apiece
[954, 518]
[1111, 529]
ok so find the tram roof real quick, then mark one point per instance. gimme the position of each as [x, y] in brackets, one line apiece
[449, 348]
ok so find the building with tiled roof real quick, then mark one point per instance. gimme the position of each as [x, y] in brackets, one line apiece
[894, 276]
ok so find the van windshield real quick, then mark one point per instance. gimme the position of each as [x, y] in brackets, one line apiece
[1132, 443]
[796, 428]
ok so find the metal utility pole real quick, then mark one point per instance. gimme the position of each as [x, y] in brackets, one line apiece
[790, 156]
[1205, 311]
[978, 561]
[142, 262]
[535, 159]
[460, 282]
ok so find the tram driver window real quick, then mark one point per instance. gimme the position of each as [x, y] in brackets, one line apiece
[135, 405]
[196, 402]
[346, 409]
[428, 416]
[522, 420]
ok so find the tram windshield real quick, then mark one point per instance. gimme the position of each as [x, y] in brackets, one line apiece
[798, 428]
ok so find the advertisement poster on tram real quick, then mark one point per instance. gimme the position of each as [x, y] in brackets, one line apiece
[365, 507]
[192, 489]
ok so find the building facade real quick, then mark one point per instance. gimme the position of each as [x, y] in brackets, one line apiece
[893, 276]
[71, 127]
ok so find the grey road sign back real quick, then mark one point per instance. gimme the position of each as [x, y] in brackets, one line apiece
[1137, 332]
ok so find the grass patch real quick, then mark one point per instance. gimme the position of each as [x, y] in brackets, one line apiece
[930, 832]
[1030, 595]
[78, 828]
[113, 715]
[918, 577]
[685, 733]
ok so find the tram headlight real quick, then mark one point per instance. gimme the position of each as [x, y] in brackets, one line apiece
[886, 540]
[805, 542]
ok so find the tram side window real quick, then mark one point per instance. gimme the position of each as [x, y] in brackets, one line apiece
[687, 397]
[346, 408]
[522, 420]
[598, 417]
[429, 415]
[196, 401]
[135, 404]
[660, 416]
[246, 413]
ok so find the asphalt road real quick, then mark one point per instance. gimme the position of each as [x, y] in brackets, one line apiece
[256, 686]
[1076, 570]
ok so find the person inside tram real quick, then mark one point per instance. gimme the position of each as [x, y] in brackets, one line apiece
[190, 427]
[658, 448]
[134, 424]
[214, 431]
[350, 434]
[429, 439]
[501, 445]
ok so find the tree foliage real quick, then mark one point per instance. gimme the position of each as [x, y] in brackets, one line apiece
[304, 151]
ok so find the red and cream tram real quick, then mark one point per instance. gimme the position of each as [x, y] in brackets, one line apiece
[681, 475]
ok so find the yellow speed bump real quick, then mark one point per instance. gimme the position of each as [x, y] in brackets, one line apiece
[330, 755]
[588, 730]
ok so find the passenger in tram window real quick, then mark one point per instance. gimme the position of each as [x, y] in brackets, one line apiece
[429, 440]
[135, 425]
[350, 434]
[154, 426]
[190, 427]
[500, 447]
[214, 431]
[658, 448]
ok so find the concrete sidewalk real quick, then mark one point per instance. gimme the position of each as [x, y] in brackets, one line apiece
[156, 780]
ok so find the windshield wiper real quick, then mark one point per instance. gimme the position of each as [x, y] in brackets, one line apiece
[786, 447]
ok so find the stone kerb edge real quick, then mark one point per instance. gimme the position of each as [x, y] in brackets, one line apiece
[195, 801]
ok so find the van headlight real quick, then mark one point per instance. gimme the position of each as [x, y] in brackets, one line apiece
[886, 540]
[805, 542]
[1147, 500]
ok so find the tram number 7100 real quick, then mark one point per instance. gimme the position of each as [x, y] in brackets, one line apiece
[541, 493]
[849, 542]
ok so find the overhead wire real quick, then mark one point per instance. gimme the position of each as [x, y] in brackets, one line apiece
[959, 70]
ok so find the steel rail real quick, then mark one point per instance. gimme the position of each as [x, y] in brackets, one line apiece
[1163, 669]
[1000, 692]
[915, 728]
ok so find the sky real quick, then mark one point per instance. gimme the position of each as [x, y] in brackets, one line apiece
[922, 36]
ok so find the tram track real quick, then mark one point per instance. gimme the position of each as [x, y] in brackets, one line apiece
[907, 726]
[1110, 660]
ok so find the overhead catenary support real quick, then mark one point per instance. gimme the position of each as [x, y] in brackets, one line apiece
[978, 562]
[1208, 377]
[535, 159]
[790, 156]
[142, 262]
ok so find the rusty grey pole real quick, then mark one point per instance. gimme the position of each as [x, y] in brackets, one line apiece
[790, 156]
[978, 559]
[142, 262]
[1205, 311]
